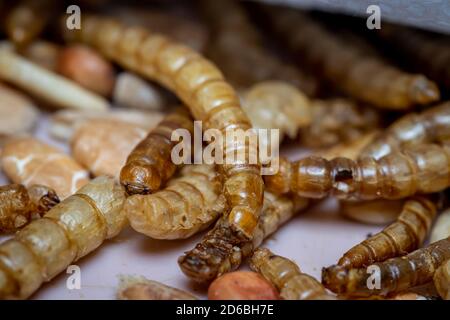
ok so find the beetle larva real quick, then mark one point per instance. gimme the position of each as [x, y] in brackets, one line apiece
[222, 250]
[432, 125]
[42, 53]
[362, 75]
[441, 228]
[287, 277]
[69, 231]
[405, 235]
[189, 204]
[201, 86]
[393, 275]
[149, 165]
[416, 169]
[18, 204]
[442, 280]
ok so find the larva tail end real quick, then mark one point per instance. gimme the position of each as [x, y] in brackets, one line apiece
[334, 278]
[140, 178]
[424, 91]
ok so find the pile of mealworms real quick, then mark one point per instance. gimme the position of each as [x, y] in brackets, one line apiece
[367, 108]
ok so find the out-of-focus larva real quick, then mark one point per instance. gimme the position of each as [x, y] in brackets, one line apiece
[378, 211]
[287, 277]
[416, 169]
[441, 227]
[401, 237]
[28, 161]
[202, 87]
[189, 204]
[222, 250]
[432, 125]
[42, 53]
[43, 83]
[18, 204]
[140, 288]
[337, 120]
[149, 165]
[442, 280]
[393, 275]
[66, 233]
[360, 74]
[102, 146]
[237, 48]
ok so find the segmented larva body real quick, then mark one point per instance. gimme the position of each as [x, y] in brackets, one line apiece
[201, 86]
[401, 237]
[67, 232]
[442, 280]
[189, 204]
[417, 169]
[432, 125]
[286, 276]
[390, 276]
[360, 74]
[18, 204]
[150, 165]
[223, 250]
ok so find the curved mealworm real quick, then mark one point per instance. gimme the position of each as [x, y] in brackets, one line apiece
[442, 280]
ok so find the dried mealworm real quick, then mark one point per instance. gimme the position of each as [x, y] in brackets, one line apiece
[222, 250]
[442, 280]
[401, 237]
[189, 204]
[69, 231]
[441, 228]
[287, 277]
[42, 53]
[432, 125]
[416, 169]
[378, 211]
[201, 86]
[390, 276]
[149, 165]
[365, 76]
[18, 205]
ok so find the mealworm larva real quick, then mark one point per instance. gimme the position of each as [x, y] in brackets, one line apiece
[355, 71]
[201, 86]
[378, 211]
[189, 204]
[149, 165]
[432, 125]
[49, 86]
[393, 275]
[416, 169]
[222, 250]
[404, 235]
[140, 288]
[287, 277]
[42, 53]
[442, 280]
[69, 231]
[441, 228]
[28, 161]
[18, 204]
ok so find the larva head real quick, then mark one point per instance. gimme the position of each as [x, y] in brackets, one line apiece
[140, 178]
[197, 268]
[423, 90]
[44, 198]
[335, 278]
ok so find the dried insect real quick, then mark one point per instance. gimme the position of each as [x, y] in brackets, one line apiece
[378, 211]
[405, 235]
[442, 280]
[354, 70]
[140, 288]
[149, 165]
[69, 231]
[222, 250]
[189, 204]
[29, 161]
[416, 169]
[201, 86]
[441, 228]
[18, 205]
[42, 53]
[49, 86]
[394, 275]
[287, 277]
[432, 125]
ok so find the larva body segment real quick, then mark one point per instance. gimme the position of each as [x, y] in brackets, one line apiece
[201, 86]
[287, 277]
[150, 165]
[394, 275]
[18, 204]
[189, 204]
[441, 227]
[222, 250]
[442, 280]
[354, 70]
[405, 235]
[432, 125]
[69, 231]
[417, 169]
